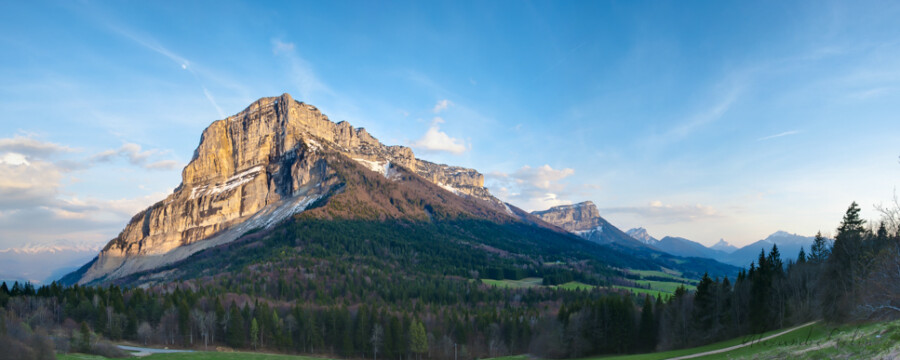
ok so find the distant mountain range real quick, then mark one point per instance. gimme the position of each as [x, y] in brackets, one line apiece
[788, 245]
[41, 263]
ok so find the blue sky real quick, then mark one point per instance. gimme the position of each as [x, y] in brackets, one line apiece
[704, 120]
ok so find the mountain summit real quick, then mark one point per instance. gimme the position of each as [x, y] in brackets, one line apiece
[724, 246]
[641, 234]
[252, 171]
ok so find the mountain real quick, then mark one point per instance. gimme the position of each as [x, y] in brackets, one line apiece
[252, 171]
[788, 245]
[687, 248]
[724, 246]
[583, 219]
[280, 181]
[640, 234]
[42, 263]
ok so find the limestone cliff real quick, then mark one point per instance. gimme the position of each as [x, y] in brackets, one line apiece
[253, 170]
[573, 218]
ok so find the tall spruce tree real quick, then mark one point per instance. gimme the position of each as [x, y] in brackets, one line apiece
[648, 327]
[819, 251]
[844, 268]
[235, 335]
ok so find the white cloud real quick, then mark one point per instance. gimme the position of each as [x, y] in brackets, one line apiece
[26, 184]
[441, 106]
[14, 159]
[786, 133]
[436, 140]
[659, 212]
[532, 188]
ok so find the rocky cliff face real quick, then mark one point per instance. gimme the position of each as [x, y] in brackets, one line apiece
[253, 170]
[573, 218]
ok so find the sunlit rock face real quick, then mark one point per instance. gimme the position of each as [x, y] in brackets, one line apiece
[253, 170]
[573, 218]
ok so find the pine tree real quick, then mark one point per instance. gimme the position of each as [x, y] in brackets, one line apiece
[648, 328]
[254, 333]
[820, 250]
[418, 339]
[801, 257]
[235, 336]
[844, 268]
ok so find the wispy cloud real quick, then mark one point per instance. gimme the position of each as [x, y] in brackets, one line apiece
[705, 116]
[30, 146]
[667, 213]
[441, 106]
[134, 154]
[151, 44]
[300, 71]
[436, 140]
[786, 133]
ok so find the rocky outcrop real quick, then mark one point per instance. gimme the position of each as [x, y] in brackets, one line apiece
[253, 170]
[573, 218]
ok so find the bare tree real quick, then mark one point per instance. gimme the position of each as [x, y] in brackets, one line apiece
[144, 332]
[377, 338]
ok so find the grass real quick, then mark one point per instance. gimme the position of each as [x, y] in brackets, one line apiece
[575, 285]
[200, 355]
[641, 291]
[818, 341]
[664, 286]
[667, 273]
[514, 284]
[683, 352]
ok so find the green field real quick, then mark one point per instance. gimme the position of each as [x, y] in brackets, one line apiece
[664, 286]
[641, 291]
[200, 355]
[575, 285]
[667, 273]
[514, 284]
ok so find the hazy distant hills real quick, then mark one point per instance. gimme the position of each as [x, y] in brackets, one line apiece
[788, 245]
[43, 263]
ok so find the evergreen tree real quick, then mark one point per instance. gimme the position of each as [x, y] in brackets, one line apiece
[235, 336]
[254, 333]
[844, 268]
[418, 339]
[84, 345]
[801, 257]
[820, 250]
[648, 326]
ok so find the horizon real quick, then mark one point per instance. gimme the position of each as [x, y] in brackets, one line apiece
[707, 121]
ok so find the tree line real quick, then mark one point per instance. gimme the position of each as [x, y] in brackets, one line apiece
[339, 306]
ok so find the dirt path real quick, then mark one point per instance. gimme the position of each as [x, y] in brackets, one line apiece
[142, 351]
[742, 345]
